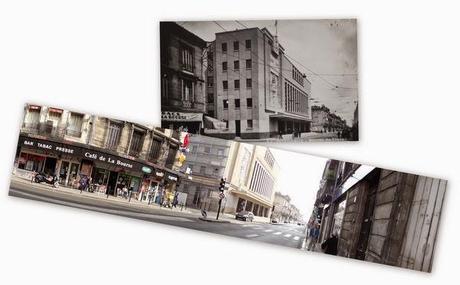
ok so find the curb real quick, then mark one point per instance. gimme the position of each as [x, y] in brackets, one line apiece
[213, 220]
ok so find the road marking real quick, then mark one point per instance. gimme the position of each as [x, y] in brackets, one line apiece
[296, 238]
[288, 235]
[267, 231]
[277, 233]
[252, 235]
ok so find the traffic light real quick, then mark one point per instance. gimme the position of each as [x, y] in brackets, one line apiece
[222, 184]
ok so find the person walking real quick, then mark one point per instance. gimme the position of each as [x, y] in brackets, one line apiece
[314, 234]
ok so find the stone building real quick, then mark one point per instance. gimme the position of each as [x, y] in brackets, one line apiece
[111, 153]
[252, 175]
[254, 88]
[183, 93]
[206, 163]
[380, 215]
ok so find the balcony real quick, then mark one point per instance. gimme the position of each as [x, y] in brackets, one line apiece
[44, 129]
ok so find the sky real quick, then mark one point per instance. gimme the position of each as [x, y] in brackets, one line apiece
[325, 50]
[299, 177]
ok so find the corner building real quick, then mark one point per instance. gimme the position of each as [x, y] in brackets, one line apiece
[254, 88]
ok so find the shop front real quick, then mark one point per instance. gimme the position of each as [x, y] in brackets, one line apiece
[80, 167]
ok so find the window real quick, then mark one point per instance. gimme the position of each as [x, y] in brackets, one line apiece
[187, 90]
[236, 65]
[236, 83]
[249, 102]
[202, 169]
[237, 103]
[225, 84]
[186, 59]
[248, 44]
[113, 136]
[226, 124]
[249, 123]
[210, 98]
[220, 152]
[136, 143]
[225, 104]
[171, 156]
[236, 46]
[224, 47]
[248, 63]
[224, 66]
[155, 149]
[207, 149]
[210, 81]
[248, 83]
[75, 124]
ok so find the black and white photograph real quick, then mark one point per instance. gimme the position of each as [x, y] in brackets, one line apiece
[261, 81]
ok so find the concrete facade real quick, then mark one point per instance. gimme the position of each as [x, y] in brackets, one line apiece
[256, 90]
[252, 174]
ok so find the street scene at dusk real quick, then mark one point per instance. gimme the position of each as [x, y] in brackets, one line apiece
[270, 80]
[227, 187]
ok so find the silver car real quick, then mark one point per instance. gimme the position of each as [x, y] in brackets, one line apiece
[245, 216]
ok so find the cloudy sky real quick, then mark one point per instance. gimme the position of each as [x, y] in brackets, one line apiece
[300, 183]
[325, 50]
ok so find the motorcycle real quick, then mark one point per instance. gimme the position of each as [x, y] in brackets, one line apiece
[42, 177]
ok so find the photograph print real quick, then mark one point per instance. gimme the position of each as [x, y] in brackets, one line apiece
[228, 187]
[268, 80]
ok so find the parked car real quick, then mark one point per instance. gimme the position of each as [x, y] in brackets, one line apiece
[245, 216]
[274, 221]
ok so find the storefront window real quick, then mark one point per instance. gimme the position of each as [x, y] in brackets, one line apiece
[100, 176]
[338, 217]
[31, 162]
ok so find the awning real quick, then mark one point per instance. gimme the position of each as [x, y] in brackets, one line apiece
[290, 117]
[213, 123]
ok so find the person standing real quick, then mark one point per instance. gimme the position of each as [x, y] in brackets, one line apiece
[330, 245]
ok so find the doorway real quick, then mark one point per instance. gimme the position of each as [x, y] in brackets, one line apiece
[50, 166]
[367, 220]
[112, 183]
[64, 172]
[238, 128]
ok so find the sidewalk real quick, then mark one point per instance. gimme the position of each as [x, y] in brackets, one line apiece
[211, 216]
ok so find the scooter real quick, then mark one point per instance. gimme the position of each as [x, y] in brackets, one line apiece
[42, 177]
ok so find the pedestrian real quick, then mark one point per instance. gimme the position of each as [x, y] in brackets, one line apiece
[314, 234]
[175, 199]
[330, 245]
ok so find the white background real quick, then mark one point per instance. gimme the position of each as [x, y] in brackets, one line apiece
[103, 57]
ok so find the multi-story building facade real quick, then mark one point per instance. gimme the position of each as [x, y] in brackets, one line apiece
[281, 207]
[324, 121]
[380, 215]
[254, 88]
[183, 93]
[206, 163]
[111, 153]
[252, 175]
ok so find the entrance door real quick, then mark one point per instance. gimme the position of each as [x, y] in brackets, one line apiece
[238, 128]
[112, 183]
[64, 172]
[50, 165]
[367, 222]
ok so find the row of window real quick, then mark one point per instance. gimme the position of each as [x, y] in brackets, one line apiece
[203, 170]
[236, 65]
[261, 181]
[53, 119]
[249, 124]
[297, 75]
[236, 46]
[296, 100]
[237, 103]
[207, 150]
[236, 84]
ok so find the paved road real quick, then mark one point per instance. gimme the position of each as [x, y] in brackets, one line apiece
[280, 234]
